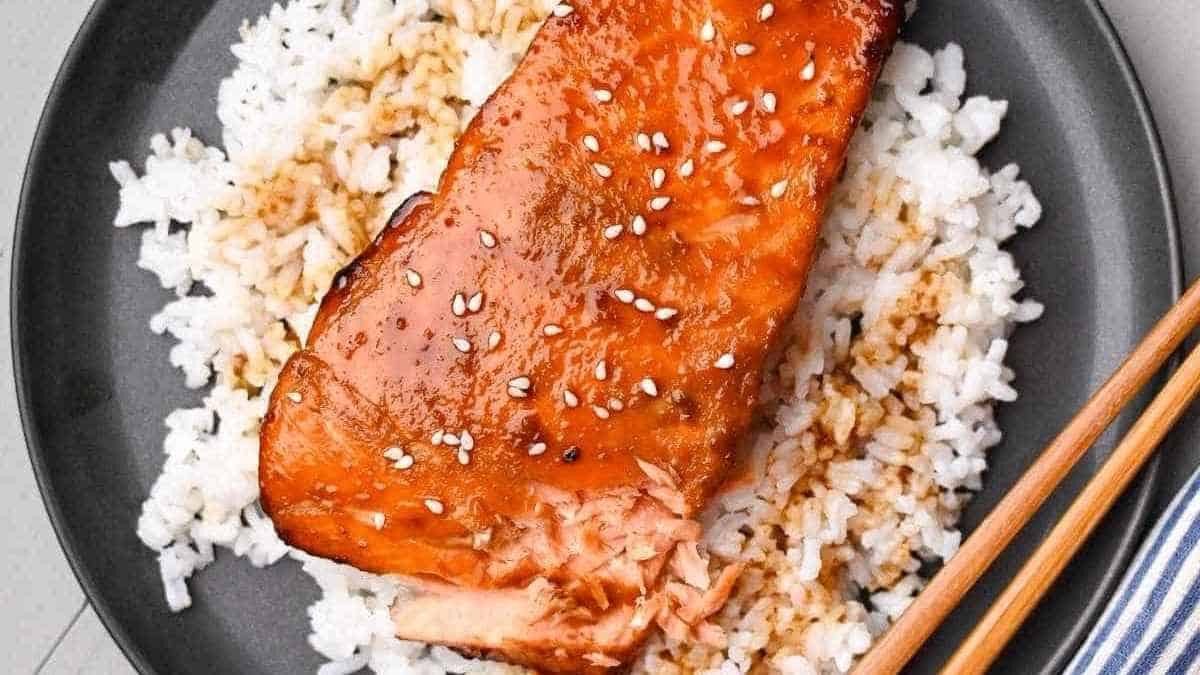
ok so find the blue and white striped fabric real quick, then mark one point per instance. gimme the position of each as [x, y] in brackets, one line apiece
[1152, 624]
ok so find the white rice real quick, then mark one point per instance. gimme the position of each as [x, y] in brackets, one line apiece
[876, 420]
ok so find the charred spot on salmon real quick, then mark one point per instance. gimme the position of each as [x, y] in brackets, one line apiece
[403, 211]
[685, 406]
[571, 454]
[340, 280]
[530, 430]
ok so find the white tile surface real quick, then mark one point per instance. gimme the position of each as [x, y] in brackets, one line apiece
[87, 650]
[40, 621]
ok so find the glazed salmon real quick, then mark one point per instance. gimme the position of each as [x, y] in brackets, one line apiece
[520, 396]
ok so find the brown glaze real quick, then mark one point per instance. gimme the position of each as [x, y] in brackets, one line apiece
[380, 369]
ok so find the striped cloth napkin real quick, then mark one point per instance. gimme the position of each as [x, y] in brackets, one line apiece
[1152, 623]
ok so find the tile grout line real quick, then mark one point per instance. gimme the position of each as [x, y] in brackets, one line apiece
[61, 636]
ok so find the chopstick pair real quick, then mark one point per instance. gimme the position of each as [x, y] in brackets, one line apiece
[985, 544]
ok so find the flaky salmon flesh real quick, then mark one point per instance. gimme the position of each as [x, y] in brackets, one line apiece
[521, 395]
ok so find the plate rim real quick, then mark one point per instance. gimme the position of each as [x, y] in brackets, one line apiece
[1148, 480]
[1147, 487]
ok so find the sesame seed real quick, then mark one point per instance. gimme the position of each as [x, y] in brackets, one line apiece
[475, 302]
[393, 454]
[552, 329]
[660, 140]
[601, 370]
[487, 239]
[624, 295]
[563, 10]
[639, 225]
[660, 203]
[749, 200]
[413, 278]
[435, 507]
[591, 143]
[687, 168]
[294, 396]
[521, 382]
[517, 393]
[458, 305]
[537, 449]
[571, 454]
[615, 405]
[725, 362]
[468, 441]
[743, 49]
[665, 313]
[494, 339]
[644, 305]
[341, 282]
[658, 177]
[378, 519]
[769, 101]
[779, 189]
[462, 344]
[708, 31]
[809, 72]
[714, 146]
[601, 412]
[643, 141]
[603, 170]
[649, 387]
[613, 231]
[739, 107]
[464, 457]
[570, 398]
[603, 95]
[405, 462]
[766, 12]
[451, 439]
[437, 437]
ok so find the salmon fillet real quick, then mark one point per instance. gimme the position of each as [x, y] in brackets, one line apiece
[520, 396]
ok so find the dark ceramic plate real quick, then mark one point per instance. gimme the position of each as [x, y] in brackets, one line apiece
[94, 383]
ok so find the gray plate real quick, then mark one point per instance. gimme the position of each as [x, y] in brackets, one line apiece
[94, 383]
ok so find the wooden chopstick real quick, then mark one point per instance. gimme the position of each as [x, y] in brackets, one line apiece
[985, 544]
[1009, 611]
